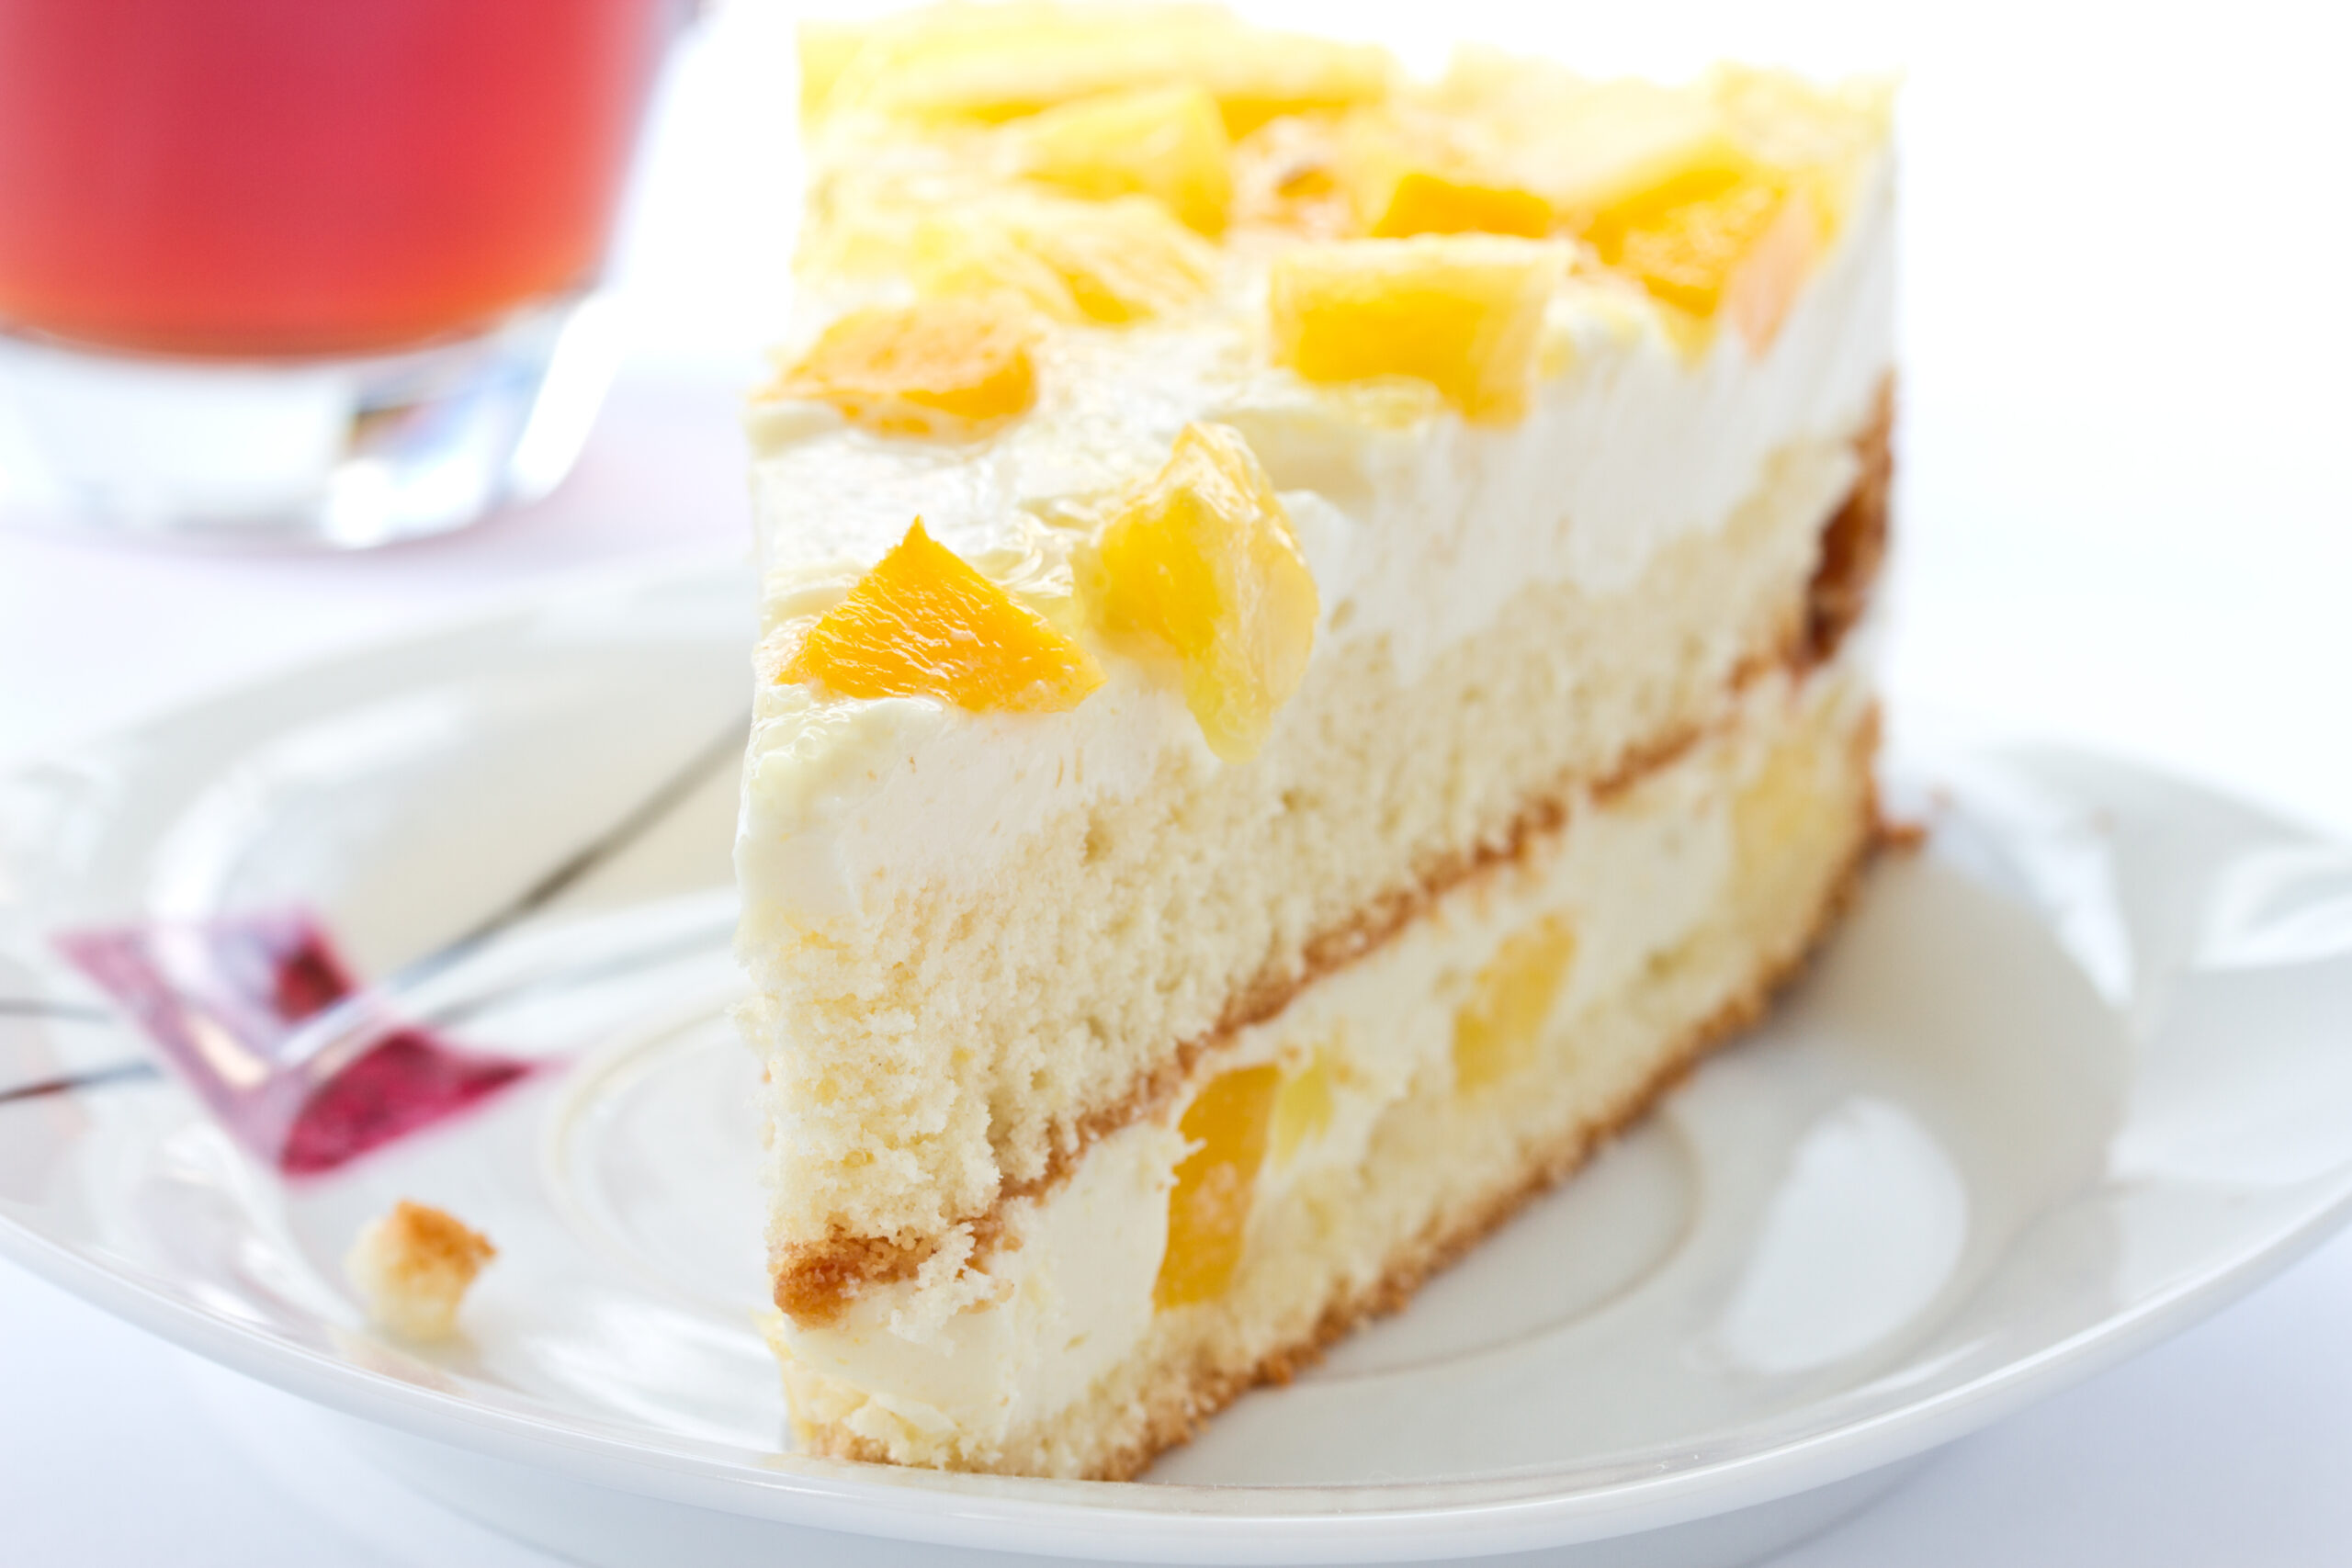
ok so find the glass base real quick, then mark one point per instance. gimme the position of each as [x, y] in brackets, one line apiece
[343, 453]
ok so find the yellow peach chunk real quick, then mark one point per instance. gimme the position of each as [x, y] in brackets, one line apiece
[1112, 262]
[1828, 134]
[1425, 203]
[1671, 193]
[1495, 1032]
[1201, 565]
[1167, 143]
[1208, 1208]
[1461, 311]
[938, 367]
[1765, 282]
[1686, 253]
[924, 624]
[1718, 197]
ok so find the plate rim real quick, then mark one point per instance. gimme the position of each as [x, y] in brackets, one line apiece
[1068, 1517]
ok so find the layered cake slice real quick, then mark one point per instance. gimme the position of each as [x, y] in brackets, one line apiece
[1307, 676]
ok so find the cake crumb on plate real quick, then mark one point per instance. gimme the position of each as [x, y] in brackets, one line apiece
[413, 1267]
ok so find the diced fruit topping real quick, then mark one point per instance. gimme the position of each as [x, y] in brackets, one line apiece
[1274, 73]
[1495, 1032]
[1461, 311]
[1208, 1209]
[1764, 283]
[923, 624]
[1112, 262]
[1771, 808]
[1743, 246]
[1203, 565]
[1785, 812]
[938, 367]
[1165, 142]
[1421, 202]
[1621, 147]
[1303, 1109]
[1000, 63]
[825, 48]
[1414, 172]
[1830, 134]
[1718, 198]
[1684, 252]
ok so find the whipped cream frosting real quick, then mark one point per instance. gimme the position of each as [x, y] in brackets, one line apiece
[1417, 527]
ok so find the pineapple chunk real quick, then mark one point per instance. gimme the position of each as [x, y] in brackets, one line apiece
[1830, 134]
[1495, 1032]
[1201, 565]
[1421, 202]
[1413, 172]
[994, 63]
[826, 48]
[1771, 808]
[1303, 1109]
[1786, 814]
[942, 367]
[1208, 1209]
[923, 624]
[1463, 312]
[1630, 148]
[1166, 142]
[1112, 262]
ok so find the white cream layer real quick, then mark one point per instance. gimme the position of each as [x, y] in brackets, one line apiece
[973, 1351]
[956, 1355]
[1417, 526]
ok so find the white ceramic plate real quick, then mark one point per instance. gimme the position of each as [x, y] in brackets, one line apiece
[2073, 1077]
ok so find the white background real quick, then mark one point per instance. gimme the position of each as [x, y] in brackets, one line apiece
[2126, 516]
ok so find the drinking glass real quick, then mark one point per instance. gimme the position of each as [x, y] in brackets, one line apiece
[314, 271]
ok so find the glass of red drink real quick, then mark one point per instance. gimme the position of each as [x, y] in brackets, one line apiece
[307, 269]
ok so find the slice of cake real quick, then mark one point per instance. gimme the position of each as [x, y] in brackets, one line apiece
[1307, 676]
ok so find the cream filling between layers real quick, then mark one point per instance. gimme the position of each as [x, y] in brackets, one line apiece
[951, 1365]
[1418, 528]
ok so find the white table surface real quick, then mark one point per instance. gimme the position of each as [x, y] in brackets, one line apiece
[2126, 513]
